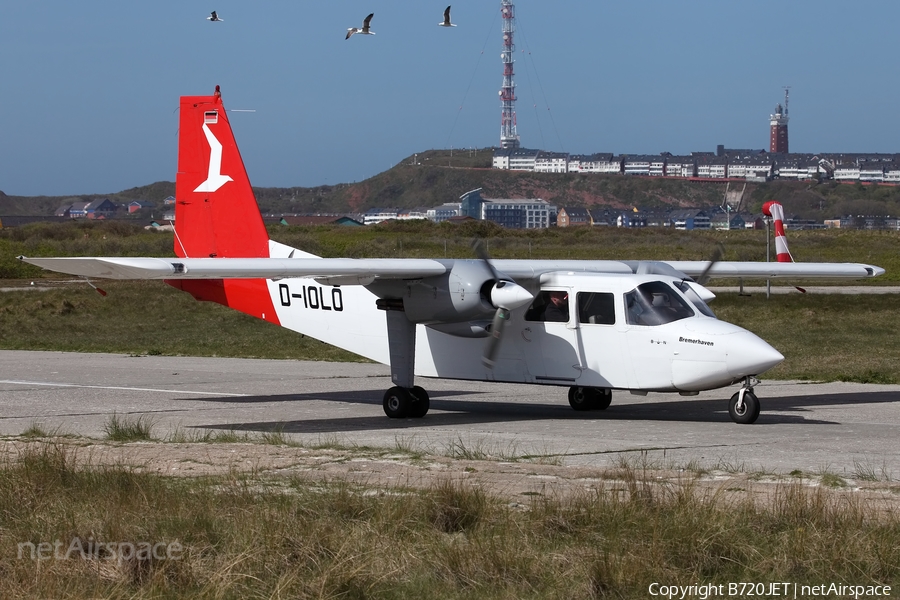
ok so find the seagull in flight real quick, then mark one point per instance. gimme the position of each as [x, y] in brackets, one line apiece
[446, 22]
[213, 17]
[365, 28]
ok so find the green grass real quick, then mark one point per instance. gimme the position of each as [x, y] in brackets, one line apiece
[245, 536]
[144, 318]
[119, 428]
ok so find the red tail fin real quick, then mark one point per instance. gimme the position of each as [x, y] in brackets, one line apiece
[216, 214]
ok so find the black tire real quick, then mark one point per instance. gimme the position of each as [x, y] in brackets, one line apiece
[397, 402]
[604, 398]
[420, 403]
[582, 398]
[750, 410]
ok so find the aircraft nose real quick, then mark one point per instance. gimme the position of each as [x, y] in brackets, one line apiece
[750, 355]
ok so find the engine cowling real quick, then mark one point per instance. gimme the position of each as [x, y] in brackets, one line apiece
[468, 292]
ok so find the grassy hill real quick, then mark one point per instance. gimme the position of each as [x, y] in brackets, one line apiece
[437, 176]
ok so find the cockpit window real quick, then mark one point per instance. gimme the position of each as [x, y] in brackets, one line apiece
[597, 308]
[696, 300]
[655, 303]
[549, 305]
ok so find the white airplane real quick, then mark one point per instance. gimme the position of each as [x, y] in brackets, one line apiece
[637, 326]
[364, 30]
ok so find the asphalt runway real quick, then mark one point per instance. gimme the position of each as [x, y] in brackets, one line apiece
[841, 428]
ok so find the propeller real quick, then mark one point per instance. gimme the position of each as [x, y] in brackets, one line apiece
[505, 294]
[715, 257]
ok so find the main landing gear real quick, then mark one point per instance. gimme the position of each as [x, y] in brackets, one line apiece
[404, 400]
[589, 398]
[744, 405]
[400, 402]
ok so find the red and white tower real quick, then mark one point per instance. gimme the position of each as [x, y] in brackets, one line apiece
[508, 137]
[778, 127]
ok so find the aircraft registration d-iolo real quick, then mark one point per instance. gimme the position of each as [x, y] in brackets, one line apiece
[592, 326]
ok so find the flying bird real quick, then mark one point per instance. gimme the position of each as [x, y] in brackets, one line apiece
[446, 22]
[213, 17]
[365, 28]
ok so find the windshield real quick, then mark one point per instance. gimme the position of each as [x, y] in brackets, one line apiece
[655, 303]
[696, 300]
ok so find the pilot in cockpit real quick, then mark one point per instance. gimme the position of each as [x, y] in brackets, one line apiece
[557, 309]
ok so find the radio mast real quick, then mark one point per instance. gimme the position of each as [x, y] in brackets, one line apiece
[508, 136]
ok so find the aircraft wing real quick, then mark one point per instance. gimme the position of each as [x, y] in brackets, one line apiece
[777, 270]
[364, 269]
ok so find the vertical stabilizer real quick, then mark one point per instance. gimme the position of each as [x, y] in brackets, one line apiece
[216, 214]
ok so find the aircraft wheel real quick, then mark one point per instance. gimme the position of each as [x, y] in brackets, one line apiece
[397, 402]
[420, 402]
[582, 398]
[748, 413]
[604, 398]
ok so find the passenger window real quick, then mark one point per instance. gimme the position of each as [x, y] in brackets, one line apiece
[596, 308]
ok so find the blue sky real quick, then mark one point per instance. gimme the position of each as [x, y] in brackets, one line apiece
[89, 90]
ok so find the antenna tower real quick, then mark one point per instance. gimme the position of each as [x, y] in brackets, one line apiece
[508, 136]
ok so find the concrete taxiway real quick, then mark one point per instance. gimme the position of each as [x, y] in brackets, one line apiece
[842, 428]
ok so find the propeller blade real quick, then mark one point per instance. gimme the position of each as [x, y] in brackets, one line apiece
[716, 256]
[501, 317]
[481, 253]
[505, 294]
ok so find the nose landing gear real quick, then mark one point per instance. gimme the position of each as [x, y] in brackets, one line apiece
[744, 405]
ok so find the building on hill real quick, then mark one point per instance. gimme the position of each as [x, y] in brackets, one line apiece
[681, 166]
[518, 214]
[96, 209]
[515, 159]
[603, 162]
[599, 217]
[513, 214]
[573, 216]
[551, 162]
[470, 204]
[78, 210]
[136, 205]
[445, 211]
[377, 215]
[413, 214]
[689, 219]
[637, 165]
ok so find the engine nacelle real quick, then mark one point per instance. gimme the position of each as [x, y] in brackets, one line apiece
[468, 292]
